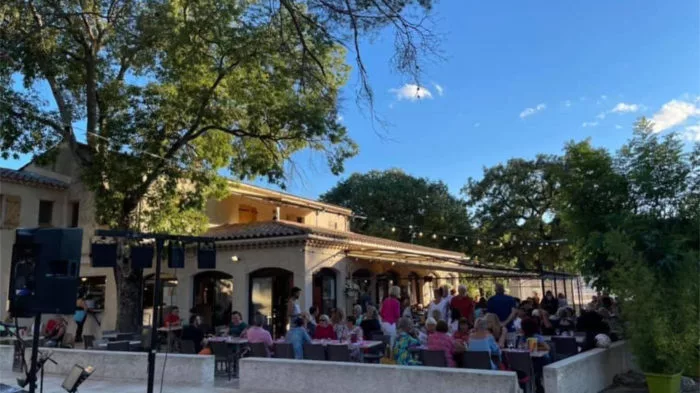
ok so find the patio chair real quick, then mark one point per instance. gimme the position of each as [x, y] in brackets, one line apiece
[187, 347]
[118, 346]
[338, 353]
[284, 351]
[223, 361]
[314, 352]
[258, 350]
[521, 362]
[564, 347]
[434, 358]
[480, 360]
[89, 341]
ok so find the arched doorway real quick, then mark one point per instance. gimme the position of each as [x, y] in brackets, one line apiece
[168, 298]
[269, 293]
[325, 290]
[213, 297]
[361, 279]
[384, 282]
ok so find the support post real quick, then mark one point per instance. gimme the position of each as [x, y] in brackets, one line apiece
[556, 291]
[580, 295]
[157, 300]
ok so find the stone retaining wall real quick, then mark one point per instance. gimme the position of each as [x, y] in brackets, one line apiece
[588, 372]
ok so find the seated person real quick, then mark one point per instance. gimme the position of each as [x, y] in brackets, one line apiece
[461, 336]
[193, 332]
[54, 331]
[237, 326]
[297, 336]
[309, 323]
[430, 325]
[441, 341]
[256, 334]
[481, 339]
[455, 316]
[324, 330]
[351, 329]
[404, 343]
[370, 323]
[173, 318]
[531, 329]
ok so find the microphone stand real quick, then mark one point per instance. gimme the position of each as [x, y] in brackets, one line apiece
[35, 365]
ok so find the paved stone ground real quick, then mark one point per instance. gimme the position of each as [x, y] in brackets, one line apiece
[52, 384]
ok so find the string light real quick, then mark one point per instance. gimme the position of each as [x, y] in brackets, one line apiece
[393, 229]
[434, 236]
[420, 234]
[478, 242]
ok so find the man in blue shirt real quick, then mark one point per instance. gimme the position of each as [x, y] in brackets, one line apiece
[502, 305]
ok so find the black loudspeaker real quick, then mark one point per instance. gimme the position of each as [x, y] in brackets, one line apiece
[206, 256]
[103, 254]
[142, 256]
[45, 271]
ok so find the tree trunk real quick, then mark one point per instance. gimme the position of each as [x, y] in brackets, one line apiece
[129, 284]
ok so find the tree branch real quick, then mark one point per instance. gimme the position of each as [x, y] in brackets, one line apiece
[305, 48]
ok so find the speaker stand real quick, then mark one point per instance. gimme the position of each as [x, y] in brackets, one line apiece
[35, 353]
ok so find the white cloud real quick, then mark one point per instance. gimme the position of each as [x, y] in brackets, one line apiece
[531, 111]
[603, 97]
[600, 116]
[339, 118]
[567, 103]
[692, 133]
[440, 90]
[674, 113]
[589, 124]
[618, 127]
[476, 125]
[623, 107]
[411, 92]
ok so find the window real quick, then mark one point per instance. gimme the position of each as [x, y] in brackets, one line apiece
[74, 214]
[247, 214]
[45, 213]
[10, 207]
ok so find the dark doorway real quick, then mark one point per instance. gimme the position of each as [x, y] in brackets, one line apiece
[384, 282]
[268, 295]
[325, 290]
[414, 292]
[213, 298]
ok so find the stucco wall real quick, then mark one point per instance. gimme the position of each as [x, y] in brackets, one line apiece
[588, 372]
[303, 376]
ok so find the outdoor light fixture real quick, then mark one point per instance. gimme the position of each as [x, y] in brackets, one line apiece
[141, 255]
[206, 255]
[176, 255]
[76, 376]
[103, 253]
[234, 259]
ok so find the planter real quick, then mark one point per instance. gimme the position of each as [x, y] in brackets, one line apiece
[663, 383]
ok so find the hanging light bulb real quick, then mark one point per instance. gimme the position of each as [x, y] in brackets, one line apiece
[540, 247]
[478, 242]
[466, 238]
[434, 236]
[444, 238]
[410, 227]
[420, 234]
[456, 239]
[393, 229]
[491, 242]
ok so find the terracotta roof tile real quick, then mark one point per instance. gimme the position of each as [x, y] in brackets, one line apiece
[265, 229]
[29, 178]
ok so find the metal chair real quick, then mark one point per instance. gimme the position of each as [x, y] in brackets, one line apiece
[89, 341]
[187, 347]
[314, 352]
[284, 351]
[118, 346]
[480, 360]
[521, 362]
[223, 361]
[338, 353]
[564, 347]
[434, 358]
[258, 350]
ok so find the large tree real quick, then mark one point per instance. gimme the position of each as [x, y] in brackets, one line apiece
[396, 205]
[514, 208]
[169, 92]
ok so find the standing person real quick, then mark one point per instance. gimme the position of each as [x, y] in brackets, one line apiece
[80, 316]
[440, 305]
[536, 299]
[464, 304]
[391, 312]
[504, 306]
[549, 303]
[562, 302]
[293, 308]
[297, 336]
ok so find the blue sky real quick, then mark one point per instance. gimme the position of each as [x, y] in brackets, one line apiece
[583, 68]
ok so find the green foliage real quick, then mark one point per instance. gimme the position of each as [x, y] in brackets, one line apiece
[515, 203]
[393, 197]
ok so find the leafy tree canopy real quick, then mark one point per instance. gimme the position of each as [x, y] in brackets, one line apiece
[514, 203]
[410, 205]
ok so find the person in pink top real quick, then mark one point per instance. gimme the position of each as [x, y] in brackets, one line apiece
[391, 311]
[256, 333]
[441, 341]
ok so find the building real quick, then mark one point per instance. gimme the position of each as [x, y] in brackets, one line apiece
[267, 242]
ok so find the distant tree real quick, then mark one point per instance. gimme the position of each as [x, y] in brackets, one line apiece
[514, 209]
[170, 92]
[392, 199]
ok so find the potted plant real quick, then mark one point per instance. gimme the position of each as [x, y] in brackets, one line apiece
[659, 307]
